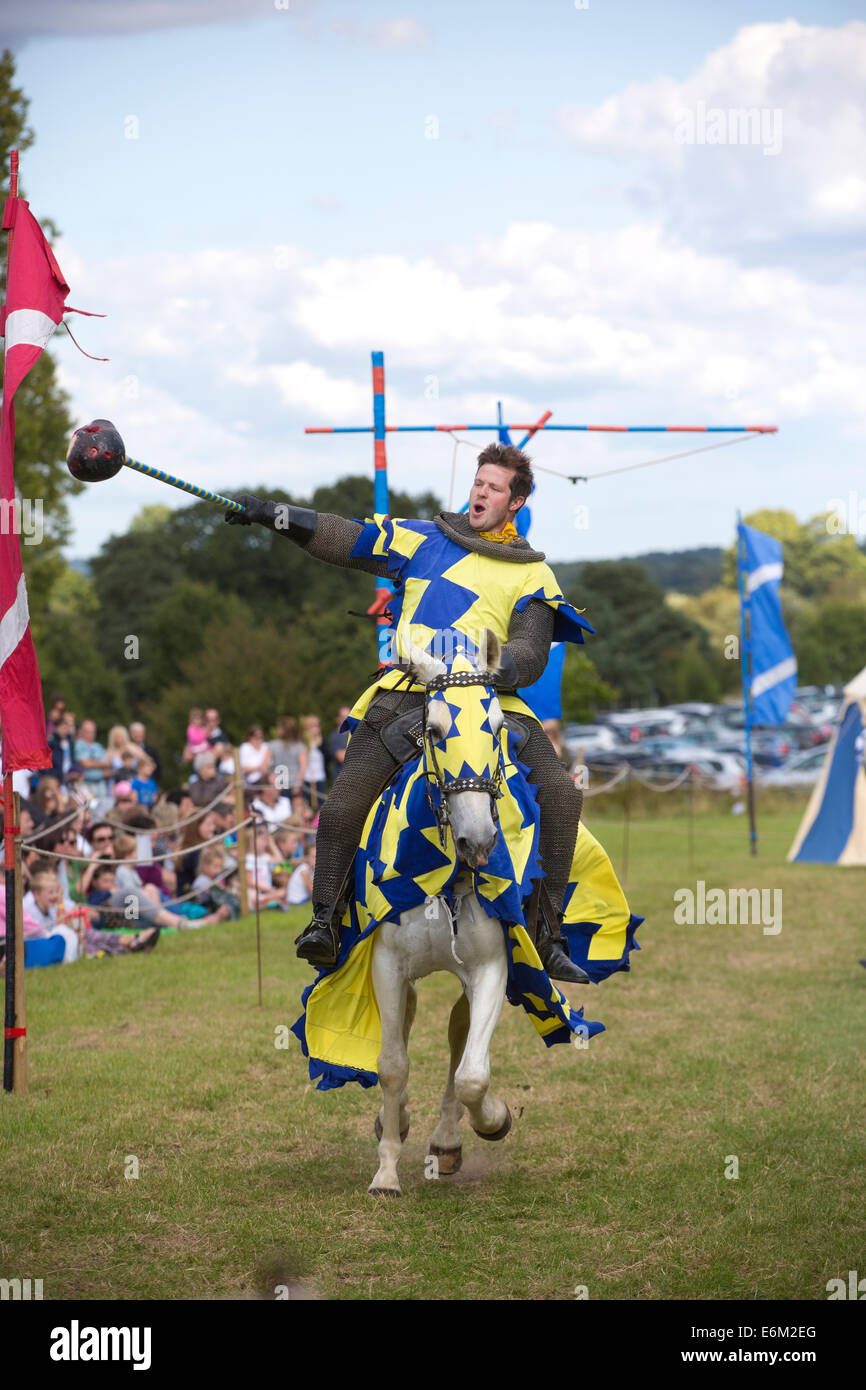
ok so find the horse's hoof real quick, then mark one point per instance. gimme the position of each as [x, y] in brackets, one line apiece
[384, 1192]
[448, 1161]
[499, 1133]
[377, 1129]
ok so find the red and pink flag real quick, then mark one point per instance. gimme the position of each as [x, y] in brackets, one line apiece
[35, 303]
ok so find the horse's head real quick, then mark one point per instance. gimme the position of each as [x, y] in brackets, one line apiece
[463, 757]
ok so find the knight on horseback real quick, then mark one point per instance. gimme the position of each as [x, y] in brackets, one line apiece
[459, 574]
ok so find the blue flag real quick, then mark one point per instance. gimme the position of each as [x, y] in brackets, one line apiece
[773, 668]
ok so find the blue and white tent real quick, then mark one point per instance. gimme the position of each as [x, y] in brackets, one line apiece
[833, 830]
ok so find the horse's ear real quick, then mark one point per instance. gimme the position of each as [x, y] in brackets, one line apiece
[490, 655]
[420, 663]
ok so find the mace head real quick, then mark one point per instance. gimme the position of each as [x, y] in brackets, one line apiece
[96, 452]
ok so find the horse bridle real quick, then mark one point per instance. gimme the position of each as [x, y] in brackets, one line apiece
[491, 785]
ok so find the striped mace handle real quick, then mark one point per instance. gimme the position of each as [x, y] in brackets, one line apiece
[204, 493]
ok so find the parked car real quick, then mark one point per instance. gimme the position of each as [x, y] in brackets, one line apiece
[769, 748]
[721, 771]
[802, 770]
[638, 722]
[590, 738]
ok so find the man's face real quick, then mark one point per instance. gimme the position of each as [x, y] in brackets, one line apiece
[136, 733]
[88, 731]
[490, 502]
[212, 717]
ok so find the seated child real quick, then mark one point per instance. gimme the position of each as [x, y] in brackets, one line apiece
[300, 888]
[143, 782]
[263, 890]
[212, 865]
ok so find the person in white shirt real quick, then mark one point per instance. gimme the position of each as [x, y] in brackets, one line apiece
[301, 882]
[43, 903]
[255, 755]
[273, 808]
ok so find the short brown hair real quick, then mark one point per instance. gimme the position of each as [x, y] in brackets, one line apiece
[41, 870]
[507, 456]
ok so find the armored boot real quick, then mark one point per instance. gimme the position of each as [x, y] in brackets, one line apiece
[553, 952]
[319, 943]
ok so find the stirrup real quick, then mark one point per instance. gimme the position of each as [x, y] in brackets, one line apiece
[559, 964]
[553, 953]
[319, 943]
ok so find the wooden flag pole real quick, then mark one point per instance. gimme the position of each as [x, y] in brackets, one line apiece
[10, 830]
[240, 816]
[19, 1070]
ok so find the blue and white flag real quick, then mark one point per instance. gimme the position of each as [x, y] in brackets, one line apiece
[772, 672]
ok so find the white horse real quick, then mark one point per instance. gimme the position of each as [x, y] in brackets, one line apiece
[423, 941]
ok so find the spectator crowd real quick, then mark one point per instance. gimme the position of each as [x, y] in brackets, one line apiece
[115, 849]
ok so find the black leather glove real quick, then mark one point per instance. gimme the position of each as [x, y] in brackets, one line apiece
[254, 510]
[298, 523]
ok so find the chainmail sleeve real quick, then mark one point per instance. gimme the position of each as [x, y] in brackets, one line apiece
[525, 654]
[333, 541]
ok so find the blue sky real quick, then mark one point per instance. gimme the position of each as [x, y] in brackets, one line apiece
[281, 210]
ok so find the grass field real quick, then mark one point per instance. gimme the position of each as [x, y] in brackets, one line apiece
[722, 1041]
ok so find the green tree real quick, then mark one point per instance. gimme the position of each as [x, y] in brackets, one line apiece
[64, 632]
[583, 690]
[650, 652]
[42, 419]
[816, 559]
[831, 647]
[135, 573]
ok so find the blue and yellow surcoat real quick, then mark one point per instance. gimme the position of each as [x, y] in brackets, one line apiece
[442, 589]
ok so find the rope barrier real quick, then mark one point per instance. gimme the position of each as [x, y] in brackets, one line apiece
[154, 858]
[661, 786]
[615, 780]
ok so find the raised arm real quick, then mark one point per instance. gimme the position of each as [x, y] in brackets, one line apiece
[322, 534]
[525, 654]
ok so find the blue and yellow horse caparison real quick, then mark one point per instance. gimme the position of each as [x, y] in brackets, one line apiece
[404, 860]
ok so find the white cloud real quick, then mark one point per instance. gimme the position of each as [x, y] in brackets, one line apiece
[303, 387]
[799, 175]
[220, 358]
[403, 32]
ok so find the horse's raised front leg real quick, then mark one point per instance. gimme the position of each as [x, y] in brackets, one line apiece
[392, 992]
[408, 1020]
[490, 1117]
[445, 1141]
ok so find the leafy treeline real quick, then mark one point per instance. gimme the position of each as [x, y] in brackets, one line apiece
[657, 647]
[683, 571]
